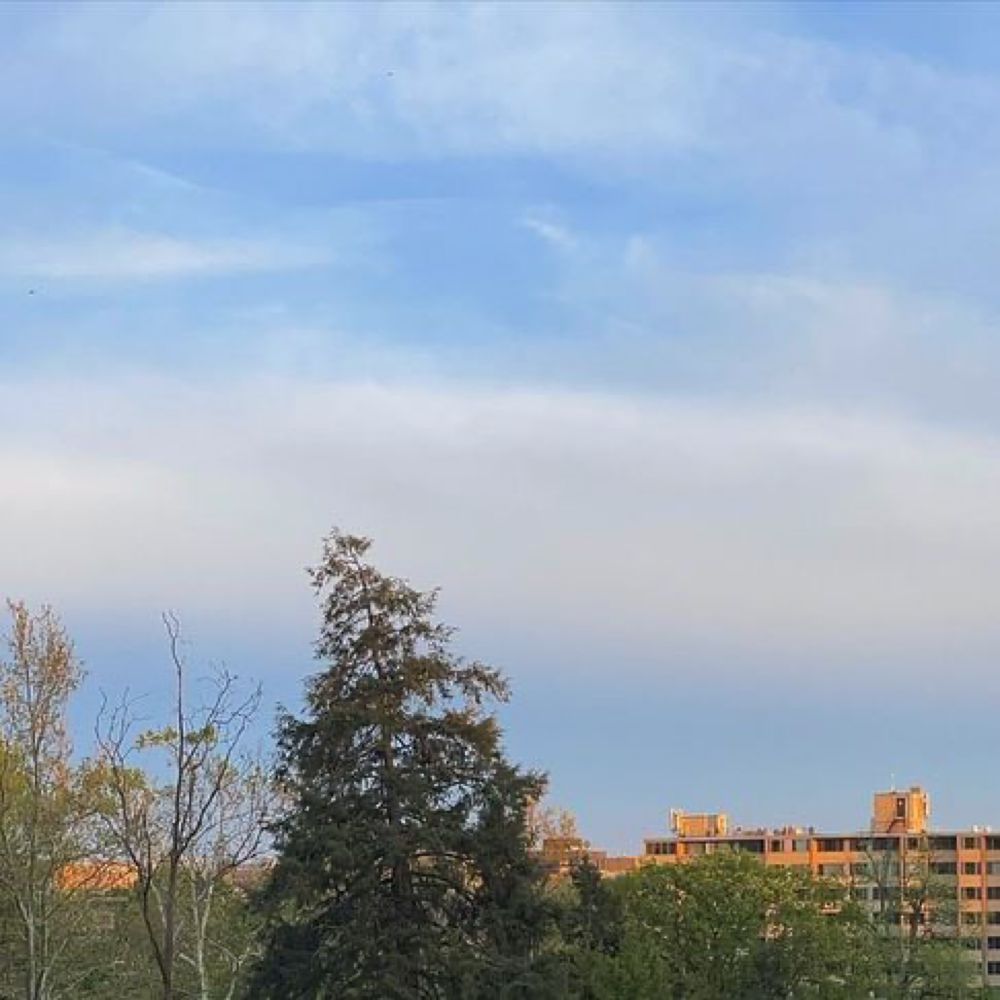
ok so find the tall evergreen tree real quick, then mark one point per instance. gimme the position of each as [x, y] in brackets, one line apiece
[403, 868]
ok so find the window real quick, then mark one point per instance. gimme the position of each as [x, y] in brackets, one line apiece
[972, 943]
[993, 892]
[913, 844]
[943, 843]
[885, 844]
[943, 868]
[993, 918]
[801, 845]
[661, 847]
[974, 892]
[993, 867]
[901, 807]
[993, 968]
[831, 871]
[861, 869]
[777, 847]
[993, 943]
[831, 844]
[973, 918]
[860, 893]
[993, 843]
[969, 843]
[971, 868]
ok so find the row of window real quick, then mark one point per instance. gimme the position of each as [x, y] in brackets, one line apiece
[970, 919]
[976, 892]
[930, 844]
[836, 845]
[875, 892]
[878, 845]
[863, 869]
[661, 847]
[968, 843]
[858, 869]
[967, 868]
[976, 944]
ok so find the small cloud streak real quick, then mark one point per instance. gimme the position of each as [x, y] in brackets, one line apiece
[550, 232]
[128, 255]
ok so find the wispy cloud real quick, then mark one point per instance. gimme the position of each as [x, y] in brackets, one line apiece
[122, 254]
[552, 79]
[551, 232]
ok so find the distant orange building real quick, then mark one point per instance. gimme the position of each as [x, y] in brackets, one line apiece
[106, 875]
[97, 875]
[896, 850]
[558, 855]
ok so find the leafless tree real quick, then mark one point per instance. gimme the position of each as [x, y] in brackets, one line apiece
[546, 821]
[235, 832]
[187, 828]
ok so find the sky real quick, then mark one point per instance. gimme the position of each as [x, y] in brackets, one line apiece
[663, 339]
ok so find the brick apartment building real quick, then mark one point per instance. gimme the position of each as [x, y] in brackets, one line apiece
[930, 881]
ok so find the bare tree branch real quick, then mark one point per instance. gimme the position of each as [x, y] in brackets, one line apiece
[187, 832]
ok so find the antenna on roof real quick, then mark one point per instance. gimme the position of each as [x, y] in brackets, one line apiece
[892, 781]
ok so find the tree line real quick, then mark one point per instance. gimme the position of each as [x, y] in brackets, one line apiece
[381, 849]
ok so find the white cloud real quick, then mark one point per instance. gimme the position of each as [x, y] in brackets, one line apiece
[551, 232]
[800, 335]
[599, 80]
[113, 254]
[584, 521]
[305, 75]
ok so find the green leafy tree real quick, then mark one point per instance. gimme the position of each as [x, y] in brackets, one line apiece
[728, 928]
[47, 813]
[403, 865]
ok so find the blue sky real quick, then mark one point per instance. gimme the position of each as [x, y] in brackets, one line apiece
[664, 339]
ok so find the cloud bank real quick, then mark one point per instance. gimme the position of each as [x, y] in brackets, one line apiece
[626, 524]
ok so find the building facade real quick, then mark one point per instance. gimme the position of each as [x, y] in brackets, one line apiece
[926, 881]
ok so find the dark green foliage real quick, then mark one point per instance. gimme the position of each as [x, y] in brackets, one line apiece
[591, 928]
[403, 869]
[595, 922]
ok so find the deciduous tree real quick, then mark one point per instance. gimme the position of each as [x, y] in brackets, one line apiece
[728, 928]
[46, 811]
[188, 822]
